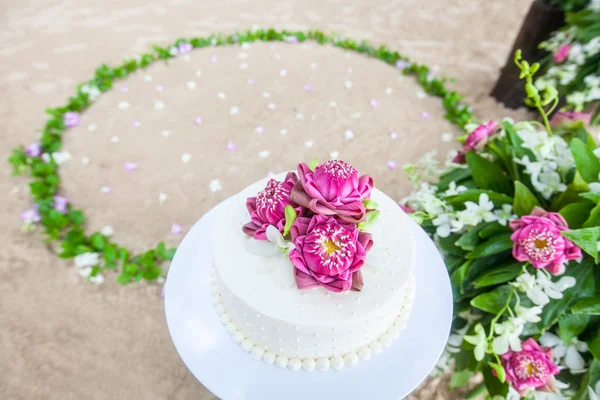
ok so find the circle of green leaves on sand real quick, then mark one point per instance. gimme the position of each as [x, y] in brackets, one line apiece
[67, 228]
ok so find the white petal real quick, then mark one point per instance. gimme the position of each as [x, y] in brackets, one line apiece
[261, 248]
[592, 394]
[573, 359]
[515, 343]
[479, 353]
[443, 231]
[274, 236]
[537, 296]
[549, 339]
[553, 293]
[500, 345]
[564, 283]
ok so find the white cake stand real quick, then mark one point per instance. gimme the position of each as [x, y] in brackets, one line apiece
[231, 374]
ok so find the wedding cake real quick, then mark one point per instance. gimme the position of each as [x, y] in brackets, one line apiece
[314, 269]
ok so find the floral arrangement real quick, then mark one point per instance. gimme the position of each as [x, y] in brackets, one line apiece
[516, 215]
[319, 218]
[573, 65]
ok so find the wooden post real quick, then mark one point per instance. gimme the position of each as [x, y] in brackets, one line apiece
[540, 22]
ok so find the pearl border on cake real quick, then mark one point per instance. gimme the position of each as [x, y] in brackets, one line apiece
[323, 364]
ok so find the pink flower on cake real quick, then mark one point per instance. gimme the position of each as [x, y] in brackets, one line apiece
[478, 138]
[329, 253]
[71, 119]
[333, 188]
[538, 240]
[530, 368]
[268, 207]
[563, 118]
[562, 53]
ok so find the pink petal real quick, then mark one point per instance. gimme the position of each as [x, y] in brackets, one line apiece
[307, 88]
[176, 229]
[251, 81]
[124, 89]
[136, 124]
[130, 166]
[198, 120]
[394, 135]
[391, 165]
[231, 146]
[160, 88]
[260, 129]
[374, 103]
[425, 115]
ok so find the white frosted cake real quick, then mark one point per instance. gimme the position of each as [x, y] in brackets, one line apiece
[327, 285]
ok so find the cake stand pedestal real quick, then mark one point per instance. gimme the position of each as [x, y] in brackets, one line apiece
[231, 374]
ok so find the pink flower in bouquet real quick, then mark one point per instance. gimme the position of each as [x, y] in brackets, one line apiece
[60, 204]
[530, 368]
[538, 240]
[329, 253]
[268, 207]
[562, 53]
[460, 158]
[478, 138]
[407, 209]
[71, 119]
[565, 118]
[333, 188]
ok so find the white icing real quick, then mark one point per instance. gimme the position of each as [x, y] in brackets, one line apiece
[323, 364]
[385, 340]
[282, 361]
[238, 337]
[351, 359]
[258, 353]
[247, 345]
[308, 365]
[231, 328]
[337, 363]
[294, 364]
[376, 348]
[364, 353]
[269, 358]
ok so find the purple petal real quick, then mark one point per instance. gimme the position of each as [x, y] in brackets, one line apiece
[71, 119]
[394, 135]
[374, 103]
[391, 165]
[34, 149]
[307, 88]
[251, 81]
[198, 120]
[136, 124]
[260, 129]
[130, 166]
[124, 89]
[213, 59]
[160, 88]
[401, 64]
[231, 146]
[425, 115]
[176, 229]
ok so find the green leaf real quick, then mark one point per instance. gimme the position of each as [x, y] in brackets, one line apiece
[586, 239]
[131, 269]
[457, 278]
[494, 245]
[110, 253]
[147, 259]
[589, 379]
[470, 239]
[500, 373]
[123, 255]
[371, 217]
[576, 213]
[370, 204]
[76, 217]
[98, 241]
[448, 245]
[570, 326]
[488, 175]
[524, 201]
[493, 385]
[586, 161]
[493, 229]
[594, 345]
[124, 278]
[501, 274]
[588, 306]
[594, 197]
[313, 164]
[583, 285]
[494, 300]
[460, 379]
[594, 219]
[473, 195]
[517, 142]
[152, 273]
[290, 217]
[456, 175]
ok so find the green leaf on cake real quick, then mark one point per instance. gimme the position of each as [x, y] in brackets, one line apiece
[290, 217]
[370, 204]
[524, 200]
[488, 175]
[586, 239]
[586, 161]
[371, 217]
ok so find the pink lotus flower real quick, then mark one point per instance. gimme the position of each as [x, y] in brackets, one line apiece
[71, 119]
[565, 118]
[478, 138]
[328, 253]
[34, 149]
[268, 207]
[562, 53]
[333, 188]
[530, 368]
[538, 240]
[60, 204]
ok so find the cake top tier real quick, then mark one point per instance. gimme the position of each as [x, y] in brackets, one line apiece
[258, 266]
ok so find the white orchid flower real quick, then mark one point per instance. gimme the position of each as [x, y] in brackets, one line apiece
[505, 215]
[594, 394]
[568, 355]
[531, 315]
[508, 336]
[274, 245]
[479, 340]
